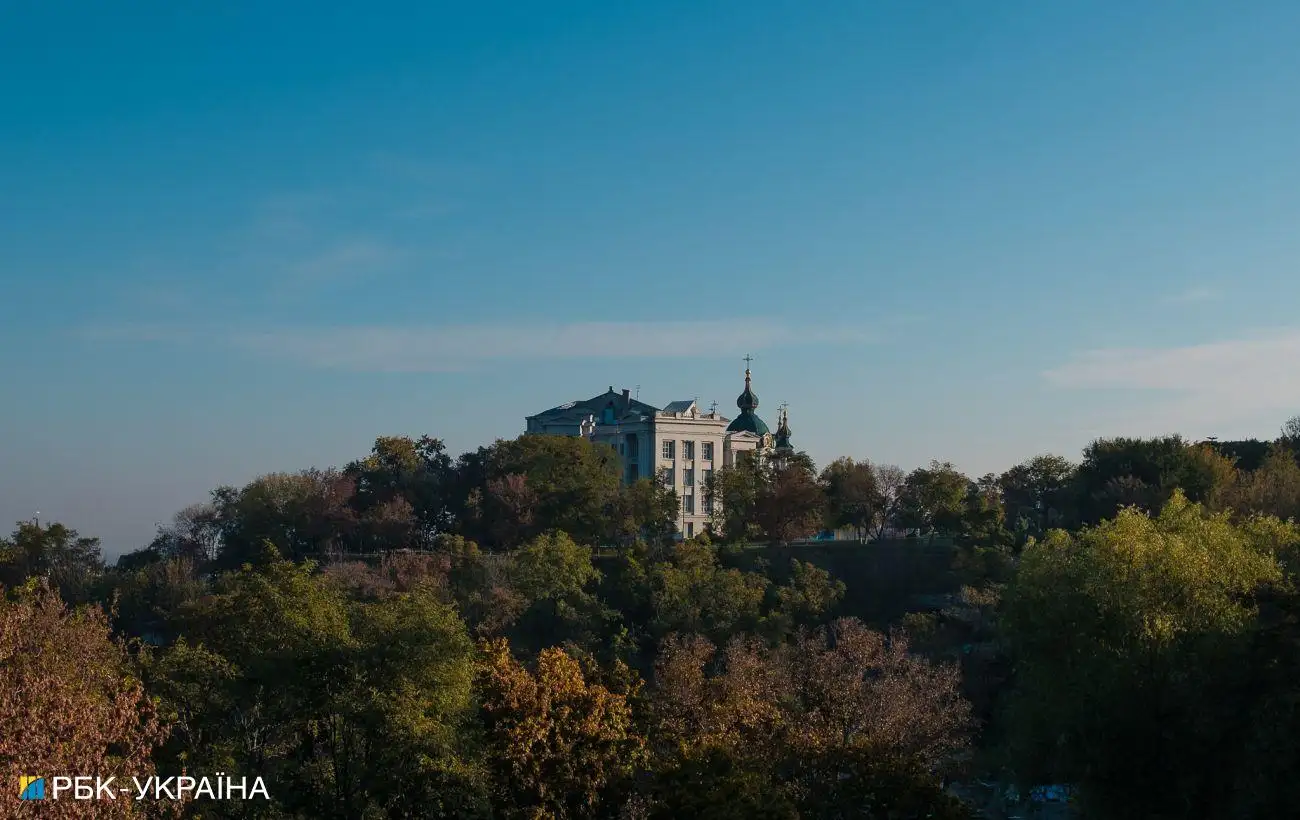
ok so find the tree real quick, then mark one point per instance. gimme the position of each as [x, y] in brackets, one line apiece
[646, 510]
[571, 484]
[1119, 634]
[70, 701]
[890, 480]
[1290, 436]
[416, 471]
[1273, 489]
[983, 517]
[735, 492]
[348, 706]
[1037, 494]
[828, 716]
[692, 593]
[932, 500]
[790, 503]
[303, 514]
[810, 594]
[558, 744]
[853, 495]
[1122, 472]
[194, 534]
[54, 553]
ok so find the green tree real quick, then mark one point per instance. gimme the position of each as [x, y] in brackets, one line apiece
[59, 556]
[1038, 494]
[1118, 635]
[1123, 472]
[303, 514]
[735, 492]
[853, 495]
[790, 502]
[568, 482]
[693, 593]
[932, 500]
[418, 472]
[350, 707]
[644, 510]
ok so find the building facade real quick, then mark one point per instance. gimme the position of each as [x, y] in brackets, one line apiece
[679, 444]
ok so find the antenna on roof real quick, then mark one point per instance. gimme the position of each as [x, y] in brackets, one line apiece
[638, 392]
[713, 408]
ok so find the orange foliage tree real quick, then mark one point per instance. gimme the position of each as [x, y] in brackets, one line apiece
[69, 705]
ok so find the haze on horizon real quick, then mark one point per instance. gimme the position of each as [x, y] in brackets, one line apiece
[239, 239]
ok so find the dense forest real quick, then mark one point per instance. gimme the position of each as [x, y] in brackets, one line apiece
[515, 633]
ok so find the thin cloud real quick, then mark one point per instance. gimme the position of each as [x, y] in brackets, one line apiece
[1213, 383]
[1193, 295]
[347, 260]
[453, 348]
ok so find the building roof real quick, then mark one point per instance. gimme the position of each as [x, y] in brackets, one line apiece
[683, 406]
[596, 405]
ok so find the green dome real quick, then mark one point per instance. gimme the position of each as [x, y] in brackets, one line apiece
[748, 422]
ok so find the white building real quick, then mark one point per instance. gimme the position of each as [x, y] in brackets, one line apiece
[679, 444]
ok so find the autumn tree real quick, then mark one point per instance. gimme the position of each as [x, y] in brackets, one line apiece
[1273, 489]
[71, 703]
[826, 716]
[559, 746]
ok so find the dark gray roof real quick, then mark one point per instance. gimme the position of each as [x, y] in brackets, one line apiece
[679, 406]
[596, 405]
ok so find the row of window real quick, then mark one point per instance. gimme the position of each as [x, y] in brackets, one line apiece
[669, 477]
[688, 450]
[688, 505]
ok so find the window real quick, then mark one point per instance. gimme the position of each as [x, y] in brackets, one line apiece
[670, 449]
[666, 476]
[688, 478]
[707, 451]
[690, 529]
[705, 477]
[688, 504]
[708, 505]
[688, 450]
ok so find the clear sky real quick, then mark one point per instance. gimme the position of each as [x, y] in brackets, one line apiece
[244, 237]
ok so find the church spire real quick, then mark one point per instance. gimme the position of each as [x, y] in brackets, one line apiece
[748, 421]
[783, 430]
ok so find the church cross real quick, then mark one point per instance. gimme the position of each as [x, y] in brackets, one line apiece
[748, 359]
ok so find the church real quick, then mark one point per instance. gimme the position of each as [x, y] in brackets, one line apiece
[679, 444]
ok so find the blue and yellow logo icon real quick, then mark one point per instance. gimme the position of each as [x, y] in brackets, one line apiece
[31, 788]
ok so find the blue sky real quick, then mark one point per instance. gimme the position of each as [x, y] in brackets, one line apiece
[245, 237]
